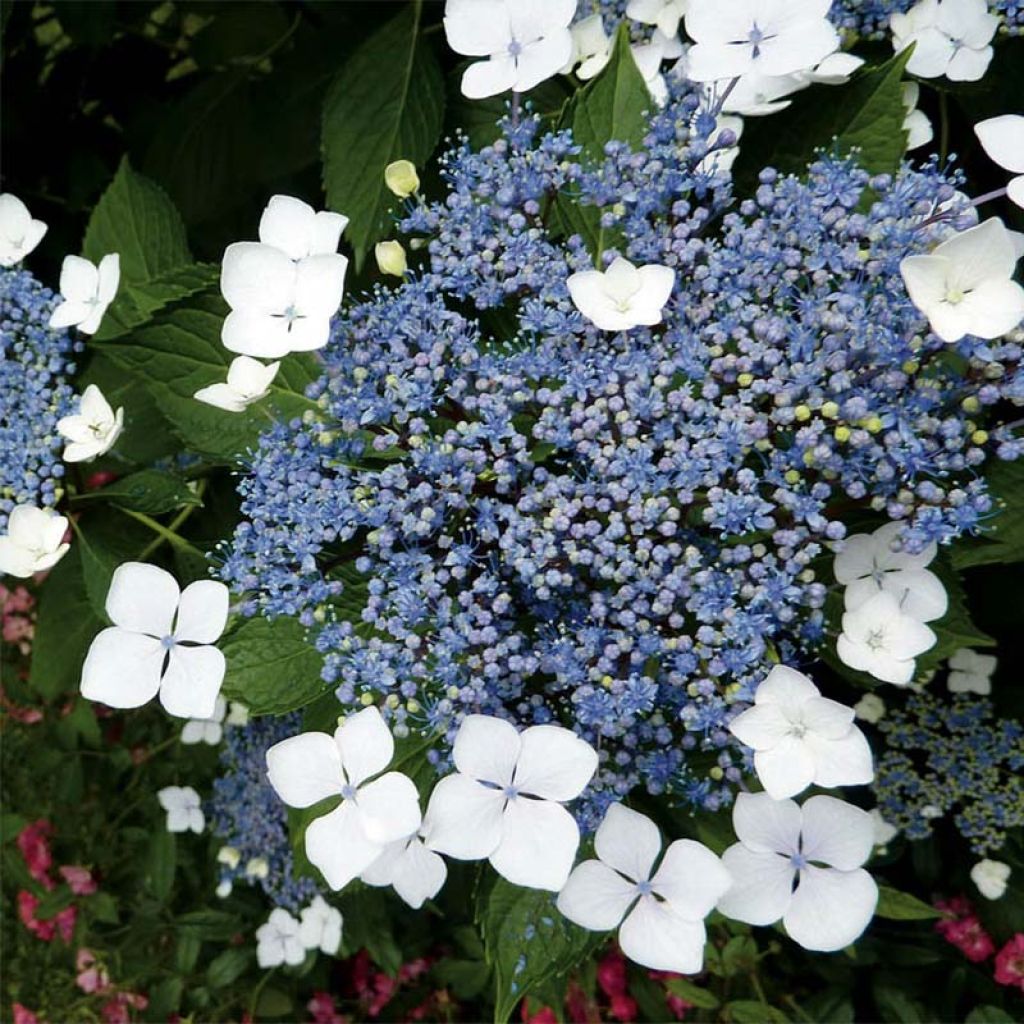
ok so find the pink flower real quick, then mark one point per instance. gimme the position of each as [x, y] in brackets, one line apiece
[27, 903]
[1010, 962]
[544, 1015]
[23, 1015]
[34, 843]
[66, 923]
[116, 1010]
[90, 977]
[79, 879]
[321, 1006]
[611, 974]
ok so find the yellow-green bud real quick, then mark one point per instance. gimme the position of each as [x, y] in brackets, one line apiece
[792, 476]
[412, 706]
[391, 258]
[401, 178]
[391, 700]
[716, 773]
[970, 404]
[842, 434]
[830, 410]
[366, 699]
[911, 366]
[802, 412]
[872, 424]
[745, 380]
[979, 436]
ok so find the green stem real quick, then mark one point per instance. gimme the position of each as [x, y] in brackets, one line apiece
[944, 127]
[168, 533]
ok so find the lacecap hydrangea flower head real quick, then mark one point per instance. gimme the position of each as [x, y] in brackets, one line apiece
[505, 506]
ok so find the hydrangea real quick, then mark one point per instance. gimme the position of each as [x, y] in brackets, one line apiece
[952, 757]
[247, 815]
[502, 509]
[35, 365]
[869, 19]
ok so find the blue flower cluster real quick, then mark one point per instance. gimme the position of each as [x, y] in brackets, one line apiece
[953, 757]
[616, 531]
[35, 363]
[248, 815]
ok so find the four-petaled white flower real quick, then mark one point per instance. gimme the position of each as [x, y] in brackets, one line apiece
[870, 708]
[821, 846]
[183, 807]
[971, 672]
[206, 730]
[1002, 138]
[278, 941]
[965, 284]
[592, 47]
[665, 14]
[161, 642]
[950, 37]
[768, 37]
[238, 714]
[868, 565]
[525, 41]
[916, 123]
[313, 766]
[991, 878]
[19, 233]
[278, 305]
[34, 541]
[504, 802]
[413, 871]
[801, 738]
[664, 912]
[248, 381]
[298, 230]
[881, 639]
[623, 296]
[93, 430]
[320, 926]
[86, 291]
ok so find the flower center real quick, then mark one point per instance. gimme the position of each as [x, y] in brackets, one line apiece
[348, 791]
[168, 641]
[510, 792]
[954, 296]
[876, 639]
[798, 861]
[515, 48]
[644, 888]
[798, 729]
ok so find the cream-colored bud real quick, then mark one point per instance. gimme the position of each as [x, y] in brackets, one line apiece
[391, 258]
[401, 178]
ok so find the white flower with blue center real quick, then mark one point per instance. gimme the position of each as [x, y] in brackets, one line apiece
[278, 941]
[950, 37]
[971, 672]
[879, 638]
[820, 847]
[505, 801]
[86, 291]
[320, 926]
[375, 809]
[19, 233]
[660, 914]
[183, 807]
[34, 541]
[161, 643]
[93, 430]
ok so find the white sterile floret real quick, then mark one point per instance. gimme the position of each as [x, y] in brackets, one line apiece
[950, 37]
[93, 430]
[801, 738]
[971, 672]
[86, 291]
[916, 123]
[623, 296]
[320, 926]
[665, 14]
[991, 878]
[870, 708]
[206, 730]
[884, 832]
[1002, 138]
[373, 812]
[504, 802]
[183, 807]
[820, 846]
[525, 42]
[298, 230]
[161, 642]
[768, 37]
[414, 872]
[870, 564]
[248, 381]
[34, 541]
[19, 233]
[660, 914]
[278, 941]
[238, 714]
[591, 47]
[965, 284]
[881, 639]
[648, 58]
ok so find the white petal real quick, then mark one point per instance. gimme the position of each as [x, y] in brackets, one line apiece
[143, 598]
[920, 593]
[627, 841]
[531, 19]
[257, 277]
[826, 718]
[841, 762]
[320, 285]
[489, 77]
[691, 878]
[15, 560]
[338, 846]
[306, 334]
[969, 65]
[222, 396]
[542, 59]
[122, 669]
[487, 748]
[993, 308]
[249, 377]
[366, 746]
[192, 681]
[390, 807]
[256, 333]
[79, 279]
[761, 726]
[925, 280]
[287, 224]
[762, 885]
[766, 825]
[980, 253]
[327, 229]
[786, 769]
[830, 909]
[418, 874]
[464, 818]
[595, 897]
[305, 769]
[785, 687]
[654, 936]
[554, 763]
[857, 559]
[476, 28]
[202, 612]
[656, 284]
[836, 833]
[109, 277]
[1015, 193]
[194, 731]
[798, 50]
[538, 844]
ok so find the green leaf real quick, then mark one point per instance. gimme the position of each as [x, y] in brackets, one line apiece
[739, 955]
[749, 1011]
[65, 628]
[160, 862]
[989, 1015]
[902, 906]
[180, 352]
[386, 104]
[103, 907]
[271, 667]
[895, 1005]
[1002, 541]
[216, 925]
[527, 942]
[685, 989]
[227, 966]
[150, 490]
[274, 1004]
[866, 114]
